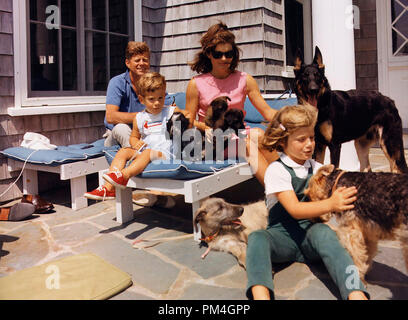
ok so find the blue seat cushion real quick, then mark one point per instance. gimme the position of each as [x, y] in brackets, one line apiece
[61, 155]
[253, 115]
[177, 170]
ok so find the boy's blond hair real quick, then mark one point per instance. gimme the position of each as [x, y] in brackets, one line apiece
[150, 82]
[285, 122]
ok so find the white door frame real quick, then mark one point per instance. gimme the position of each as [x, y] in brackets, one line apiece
[384, 47]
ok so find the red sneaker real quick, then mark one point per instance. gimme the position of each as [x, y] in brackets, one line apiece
[116, 178]
[100, 193]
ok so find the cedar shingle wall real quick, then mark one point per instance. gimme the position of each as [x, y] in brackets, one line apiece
[173, 29]
[366, 46]
[61, 129]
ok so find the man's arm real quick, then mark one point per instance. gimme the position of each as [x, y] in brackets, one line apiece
[114, 116]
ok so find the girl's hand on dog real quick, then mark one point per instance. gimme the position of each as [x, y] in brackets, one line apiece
[342, 198]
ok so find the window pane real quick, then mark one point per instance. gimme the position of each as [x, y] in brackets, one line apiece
[68, 13]
[44, 58]
[96, 62]
[38, 9]
[117, 55]
[118, 16]
[400, 29]
[294, 29]
[69, 60]
[95, 14]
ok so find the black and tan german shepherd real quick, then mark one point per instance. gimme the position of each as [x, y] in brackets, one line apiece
[364, 116]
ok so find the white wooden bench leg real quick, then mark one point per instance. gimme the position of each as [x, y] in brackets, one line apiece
[78, 188]
[30, 182]
[124, 206]
[100, 177]
[197, 233]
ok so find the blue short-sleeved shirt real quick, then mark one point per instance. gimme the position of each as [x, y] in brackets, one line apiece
[120, 93]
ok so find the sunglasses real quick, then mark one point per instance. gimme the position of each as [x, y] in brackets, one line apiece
[219, 54]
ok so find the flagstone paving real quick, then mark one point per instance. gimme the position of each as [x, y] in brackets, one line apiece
[174, 270]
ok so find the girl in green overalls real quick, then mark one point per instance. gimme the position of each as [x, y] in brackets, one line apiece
[290, 235]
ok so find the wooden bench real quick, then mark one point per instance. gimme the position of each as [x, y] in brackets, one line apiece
[76, 172]
[193, 190]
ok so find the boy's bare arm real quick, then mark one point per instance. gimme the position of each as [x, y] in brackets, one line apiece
[134, 141]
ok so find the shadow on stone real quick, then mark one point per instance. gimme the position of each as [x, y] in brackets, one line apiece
[390, 278]
[5, 239]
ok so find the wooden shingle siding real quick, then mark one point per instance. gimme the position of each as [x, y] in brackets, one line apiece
[173, 30]
[366, 46]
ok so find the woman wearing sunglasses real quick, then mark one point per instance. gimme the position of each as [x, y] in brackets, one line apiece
[216, 65]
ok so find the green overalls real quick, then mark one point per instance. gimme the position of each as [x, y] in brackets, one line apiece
[287, 239]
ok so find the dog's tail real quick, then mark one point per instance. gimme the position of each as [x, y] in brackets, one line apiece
[391, 139]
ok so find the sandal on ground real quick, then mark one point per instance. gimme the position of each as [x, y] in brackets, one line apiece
[17, 212]
[41, 205]
[150, 200]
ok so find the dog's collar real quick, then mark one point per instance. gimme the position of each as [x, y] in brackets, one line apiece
[337, 180]
[210, 238]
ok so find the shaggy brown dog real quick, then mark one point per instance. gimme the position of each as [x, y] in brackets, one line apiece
[226, 227]
[380, 211]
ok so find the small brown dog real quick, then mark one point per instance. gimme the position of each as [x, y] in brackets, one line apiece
[214, 117]
[226, 227]
[380, 211]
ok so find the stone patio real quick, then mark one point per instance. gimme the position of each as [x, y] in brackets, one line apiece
[174, 270]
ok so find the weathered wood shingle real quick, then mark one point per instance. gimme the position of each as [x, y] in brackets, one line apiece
[173, 30]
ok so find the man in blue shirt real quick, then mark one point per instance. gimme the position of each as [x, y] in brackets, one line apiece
[122, 105]
[122, 102]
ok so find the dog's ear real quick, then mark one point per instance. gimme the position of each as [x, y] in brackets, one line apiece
[327, 170]
[198, 216]
[318, 58]
[209, 117]
[298, 60]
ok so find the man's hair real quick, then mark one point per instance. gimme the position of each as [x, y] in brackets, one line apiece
[133, 48]
[150, 82]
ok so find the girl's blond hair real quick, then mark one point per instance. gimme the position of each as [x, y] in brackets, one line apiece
[285, 122]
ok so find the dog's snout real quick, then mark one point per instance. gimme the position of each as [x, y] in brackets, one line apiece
[241, 210]
[313, 87]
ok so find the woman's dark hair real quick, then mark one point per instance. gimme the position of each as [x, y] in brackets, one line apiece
[216, 34]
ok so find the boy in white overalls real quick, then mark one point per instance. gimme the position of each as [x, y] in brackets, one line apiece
[148, 138]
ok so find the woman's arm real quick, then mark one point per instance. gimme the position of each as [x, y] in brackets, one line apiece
[341, 200]
[258, 101]
[192, 106]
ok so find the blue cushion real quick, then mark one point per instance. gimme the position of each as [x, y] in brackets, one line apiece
[180, 99]
[256, 125]
[253, 115]
[63, 154]
[177, 170]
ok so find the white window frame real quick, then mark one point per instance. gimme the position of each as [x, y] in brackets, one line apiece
[287, 72]
[23, 105]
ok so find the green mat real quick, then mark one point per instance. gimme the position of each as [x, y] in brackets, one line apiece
[79, 277]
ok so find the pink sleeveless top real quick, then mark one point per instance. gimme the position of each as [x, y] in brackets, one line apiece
[209, 88]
